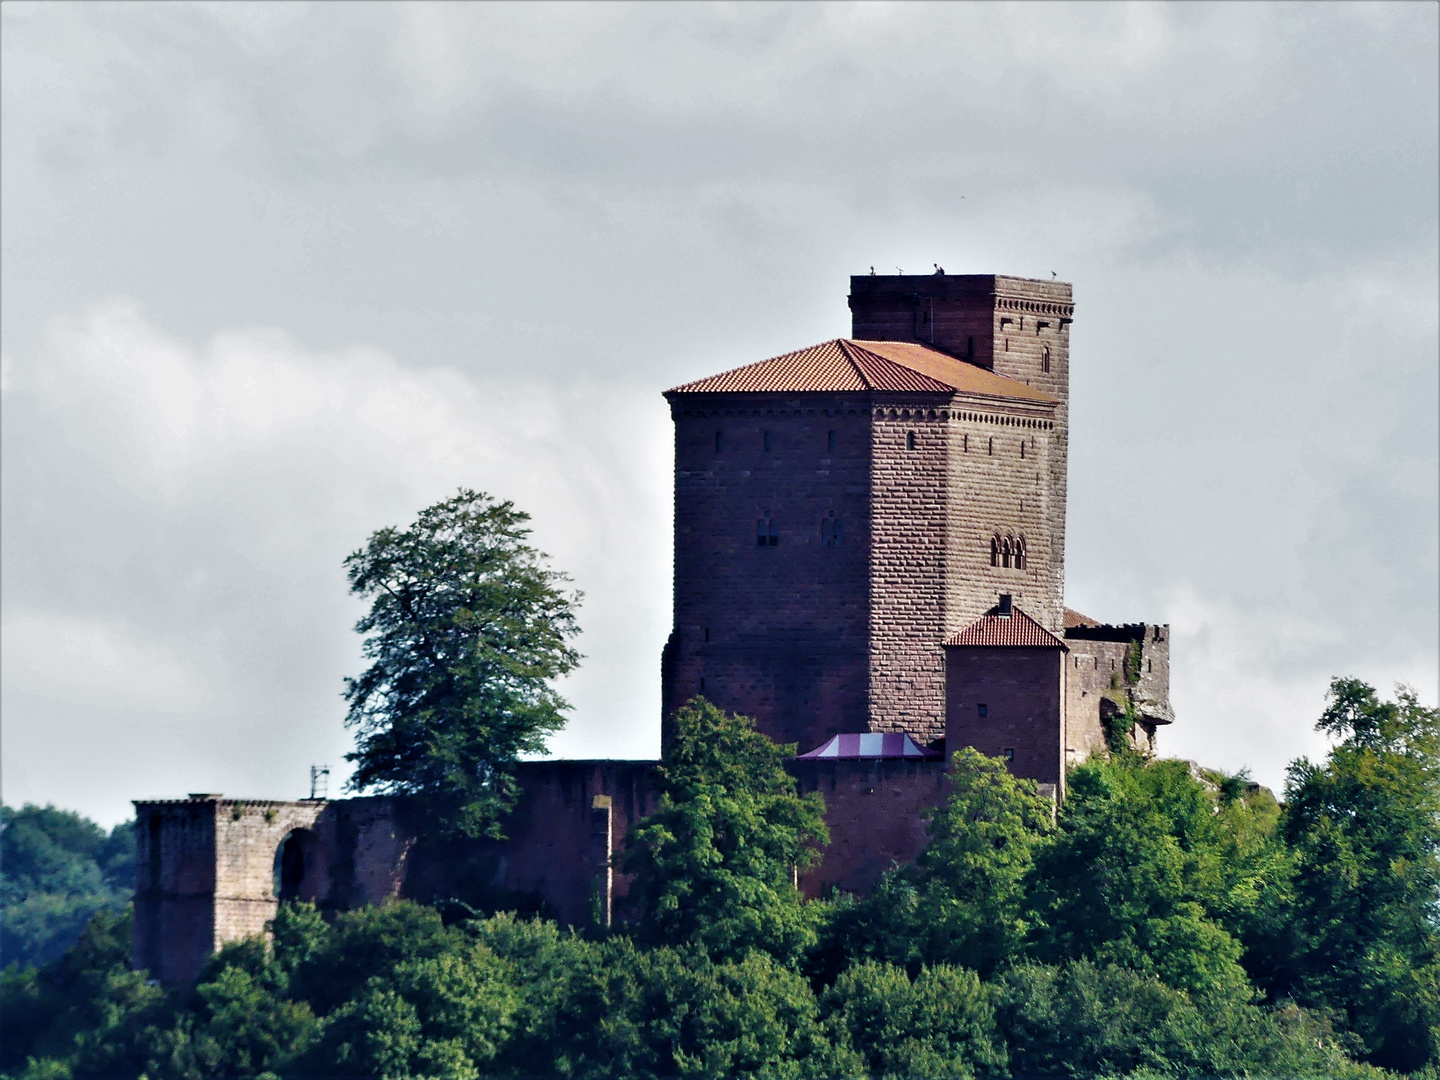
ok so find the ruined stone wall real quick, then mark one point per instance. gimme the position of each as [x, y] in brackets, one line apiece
[1020, 692]
[174, 888]
[206, 869]
[776, 632]
[1098, 683]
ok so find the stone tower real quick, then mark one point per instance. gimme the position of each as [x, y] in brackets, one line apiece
[841, 510]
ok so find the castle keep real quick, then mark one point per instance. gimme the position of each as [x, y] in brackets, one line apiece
[869, 559]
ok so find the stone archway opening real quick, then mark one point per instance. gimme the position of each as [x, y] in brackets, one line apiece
[299, 871]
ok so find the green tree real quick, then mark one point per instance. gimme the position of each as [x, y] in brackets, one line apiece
[973, 872]
[1082, 1019]
[447, 1015]
[1365, 829]
[716, 864]
[941, 1024]
[59, 869]
[466, 629]
[963, 902]
[1136, 874]
[634, 1014]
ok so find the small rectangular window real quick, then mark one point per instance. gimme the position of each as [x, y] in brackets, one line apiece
[707, 633]
[702, 684]
[717, 442]
[829, 440]
[768, 443]
[983, 710]
[774, 532]
[761, 533]
[909, 440]
[1009, 753]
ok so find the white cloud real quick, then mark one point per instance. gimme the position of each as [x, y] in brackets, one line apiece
[231, 481]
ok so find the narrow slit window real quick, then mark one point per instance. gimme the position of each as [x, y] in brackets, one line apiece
[769, 443]
[707, 633]
[965, 442]
[774, 532]
[829, 440]
[718, 442]
[1022, 448]
[991, 448]
[762, 532]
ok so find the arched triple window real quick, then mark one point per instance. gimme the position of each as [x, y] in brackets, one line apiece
[1008, 552]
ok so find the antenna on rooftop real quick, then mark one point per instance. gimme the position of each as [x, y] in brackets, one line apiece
[319, 781]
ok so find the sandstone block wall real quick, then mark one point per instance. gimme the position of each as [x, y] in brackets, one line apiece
[1021, 691]
[912, 513]
[875, 812]
[1018, 327]
[778, 632]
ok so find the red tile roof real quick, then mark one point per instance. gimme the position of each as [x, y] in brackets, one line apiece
[1018, 629]
[1074, 618]
[843, 364]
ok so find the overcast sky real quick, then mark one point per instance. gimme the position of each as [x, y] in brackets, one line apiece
[276, 275]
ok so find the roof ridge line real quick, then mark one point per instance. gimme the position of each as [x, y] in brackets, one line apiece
[900, 365]
[845, 345]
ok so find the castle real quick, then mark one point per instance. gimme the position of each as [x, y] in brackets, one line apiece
[869, 559]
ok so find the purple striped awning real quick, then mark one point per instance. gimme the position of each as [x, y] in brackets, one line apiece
[870, 745]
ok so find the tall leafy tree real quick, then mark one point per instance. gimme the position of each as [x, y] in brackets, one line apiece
[59, 870]
[1136, 875]
[964, 900]
[1365, 829]
[466, 629]
[716, 864]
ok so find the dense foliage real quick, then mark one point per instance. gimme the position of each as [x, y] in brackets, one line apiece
[715, 864]
[1169, 923]
[59, 870]
[466, 629]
